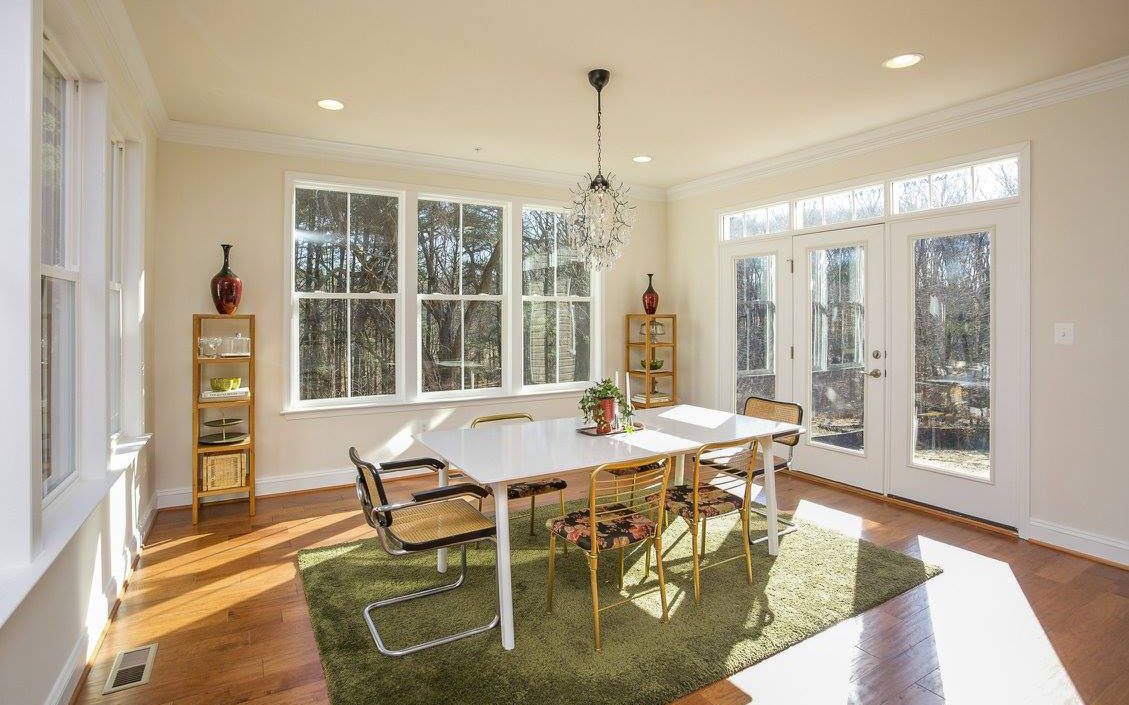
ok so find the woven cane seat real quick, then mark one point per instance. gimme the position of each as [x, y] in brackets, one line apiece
[437, 524]
[736, 463]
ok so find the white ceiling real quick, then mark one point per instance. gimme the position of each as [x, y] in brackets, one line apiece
[701, 86]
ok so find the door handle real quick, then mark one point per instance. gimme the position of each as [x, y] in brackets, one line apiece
[875, 373]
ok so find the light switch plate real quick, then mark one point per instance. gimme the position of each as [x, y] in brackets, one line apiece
[1064, 334]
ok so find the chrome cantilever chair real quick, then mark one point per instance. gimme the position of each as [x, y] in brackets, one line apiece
[432, 519]
[735, 461]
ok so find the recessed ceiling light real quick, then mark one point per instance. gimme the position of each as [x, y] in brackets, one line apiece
[330, 104]
[903, 61]
[641, 158]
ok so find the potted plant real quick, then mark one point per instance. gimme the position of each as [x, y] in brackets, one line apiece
[598, 405]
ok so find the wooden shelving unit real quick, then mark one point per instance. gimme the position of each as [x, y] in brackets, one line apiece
[650, 337]
[246, 325]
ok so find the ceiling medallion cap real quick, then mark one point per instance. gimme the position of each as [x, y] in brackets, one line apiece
[599, 183]
[599, 78]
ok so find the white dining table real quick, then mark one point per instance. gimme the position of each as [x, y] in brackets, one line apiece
[501, 454]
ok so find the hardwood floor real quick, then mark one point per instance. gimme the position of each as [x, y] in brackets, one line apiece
[1007, 622]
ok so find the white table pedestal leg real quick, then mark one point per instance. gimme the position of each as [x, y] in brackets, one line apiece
[442, 560]
[770, 495]
[505, 586]
[680, 469]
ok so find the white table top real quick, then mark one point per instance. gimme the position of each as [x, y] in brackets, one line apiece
[509, 452]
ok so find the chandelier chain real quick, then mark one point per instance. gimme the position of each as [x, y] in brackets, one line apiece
[599, 134]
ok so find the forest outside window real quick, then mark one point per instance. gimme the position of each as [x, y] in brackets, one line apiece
[346, 283]
[556, 287]
[459, 276]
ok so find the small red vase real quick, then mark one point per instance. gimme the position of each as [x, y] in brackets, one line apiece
[650, 297]
[607, 407]
[227, 288]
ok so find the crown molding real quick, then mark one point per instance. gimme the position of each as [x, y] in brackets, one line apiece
[292, 146]
[117, 28]
[1094, 79]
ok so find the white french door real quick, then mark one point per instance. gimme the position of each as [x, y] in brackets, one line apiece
[954, 376]
[757, 336]
[840, 354]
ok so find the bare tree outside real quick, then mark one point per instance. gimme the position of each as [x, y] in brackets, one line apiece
[755, 281]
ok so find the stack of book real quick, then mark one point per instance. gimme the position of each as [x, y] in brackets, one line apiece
[209, 395]
[657, 398]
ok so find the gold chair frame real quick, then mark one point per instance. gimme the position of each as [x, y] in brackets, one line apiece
[698, 535]
[604, 502]
[514, 416]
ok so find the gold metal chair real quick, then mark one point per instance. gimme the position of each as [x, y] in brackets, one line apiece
[611, 523]
[530, 488]
[733, 462]
[699, 502]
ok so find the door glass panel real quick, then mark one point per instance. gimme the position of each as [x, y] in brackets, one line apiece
[838, 318]
[755, 279]
[952, 352]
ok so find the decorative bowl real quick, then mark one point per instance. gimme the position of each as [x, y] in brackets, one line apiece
[225, 384]
[652, 365]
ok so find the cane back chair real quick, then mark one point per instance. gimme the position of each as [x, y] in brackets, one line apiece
[529, 488]
[612, 522]
[435, 518]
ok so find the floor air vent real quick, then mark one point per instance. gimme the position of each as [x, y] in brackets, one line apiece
[131, 668]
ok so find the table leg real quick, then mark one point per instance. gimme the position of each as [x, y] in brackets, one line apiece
[505, 587]
[680, 470]
[444, 472]
[769, 461]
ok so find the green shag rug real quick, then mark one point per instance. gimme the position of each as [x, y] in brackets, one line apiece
[820, 578]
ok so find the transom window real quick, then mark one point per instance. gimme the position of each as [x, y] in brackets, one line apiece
[493, 301]
[988, 181]
[841, 207]
[757, 221]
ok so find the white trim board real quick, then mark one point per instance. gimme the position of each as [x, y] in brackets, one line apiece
[1095, 79]
[1086, 542]
[290, 145]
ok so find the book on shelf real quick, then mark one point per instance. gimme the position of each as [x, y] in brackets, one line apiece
[209, 395]
[655, 398]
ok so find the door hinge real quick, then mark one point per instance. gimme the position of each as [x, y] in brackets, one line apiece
[791, 266]
[791, 352]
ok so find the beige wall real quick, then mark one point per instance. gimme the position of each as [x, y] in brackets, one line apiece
[211, 195]
[1079, 259]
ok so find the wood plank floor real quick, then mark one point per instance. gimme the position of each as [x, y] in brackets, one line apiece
[1007, 622]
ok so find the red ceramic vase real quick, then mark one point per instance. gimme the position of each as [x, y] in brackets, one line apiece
[227, 288]
[650, 297]
[607, 408]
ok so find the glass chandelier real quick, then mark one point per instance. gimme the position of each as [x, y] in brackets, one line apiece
[600, 218]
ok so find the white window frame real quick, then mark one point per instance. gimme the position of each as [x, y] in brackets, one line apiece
[594, 281]
[292, 297]
[69, 271]
[115, 260]
[409, 393]
[503, 298]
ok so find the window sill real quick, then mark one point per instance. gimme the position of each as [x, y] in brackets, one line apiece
[61, 521]
[556, 392]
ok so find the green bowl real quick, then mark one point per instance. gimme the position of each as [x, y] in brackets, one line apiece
[225, 384]
[652, 365]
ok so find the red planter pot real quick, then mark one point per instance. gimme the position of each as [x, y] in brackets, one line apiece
[607, 407]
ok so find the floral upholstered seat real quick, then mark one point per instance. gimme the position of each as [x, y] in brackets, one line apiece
[532, 488]
[628, 472]
[616, 527]
[712, 501]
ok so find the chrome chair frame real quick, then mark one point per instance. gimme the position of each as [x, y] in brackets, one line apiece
[379, 517]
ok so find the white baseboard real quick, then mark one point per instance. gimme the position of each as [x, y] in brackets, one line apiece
[182, 496]
[146, 523]
[69, 676]
[1091, 544]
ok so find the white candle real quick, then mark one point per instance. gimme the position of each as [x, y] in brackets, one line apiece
[630, 404]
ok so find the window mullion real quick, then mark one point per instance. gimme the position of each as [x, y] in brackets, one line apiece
[348, 301]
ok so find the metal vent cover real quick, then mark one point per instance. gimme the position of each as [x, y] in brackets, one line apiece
[131, 668]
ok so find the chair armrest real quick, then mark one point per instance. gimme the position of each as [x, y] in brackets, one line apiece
[412, 463]
[450, 491]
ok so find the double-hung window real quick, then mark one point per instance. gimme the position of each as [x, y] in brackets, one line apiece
[459, 264]
[58, 282]
[345, 293]
[114, 285]
[556, 289]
